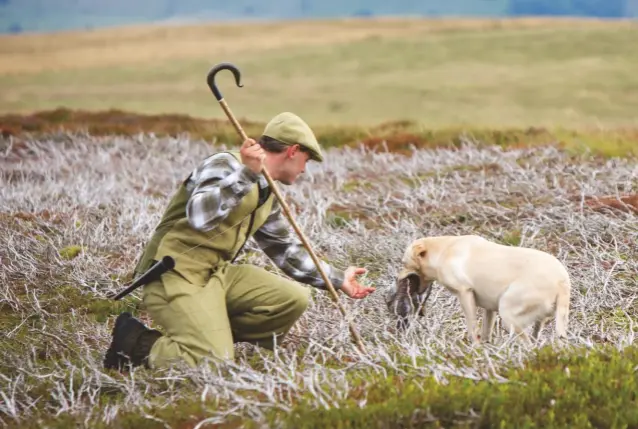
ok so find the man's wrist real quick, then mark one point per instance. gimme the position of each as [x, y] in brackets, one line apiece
[338, 278]
[247, 174]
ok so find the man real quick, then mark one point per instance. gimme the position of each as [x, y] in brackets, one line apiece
[207, 303]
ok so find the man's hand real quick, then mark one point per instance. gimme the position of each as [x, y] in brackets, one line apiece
[352, 287]
[252, 155]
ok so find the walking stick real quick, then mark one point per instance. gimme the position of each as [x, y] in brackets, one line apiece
[273, 186]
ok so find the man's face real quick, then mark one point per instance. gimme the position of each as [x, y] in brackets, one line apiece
[294, 165]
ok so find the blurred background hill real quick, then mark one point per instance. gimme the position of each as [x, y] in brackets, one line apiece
[429, 65]
[18, 16]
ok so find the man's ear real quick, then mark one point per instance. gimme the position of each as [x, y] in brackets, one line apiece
[292, 150]
[419, 250]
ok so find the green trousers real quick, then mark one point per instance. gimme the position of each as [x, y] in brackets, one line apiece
[240, 303]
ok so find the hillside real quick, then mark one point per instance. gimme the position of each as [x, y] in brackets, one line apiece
[552, 73]
[54, 15]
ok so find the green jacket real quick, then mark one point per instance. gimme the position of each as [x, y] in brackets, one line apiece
[197, 253]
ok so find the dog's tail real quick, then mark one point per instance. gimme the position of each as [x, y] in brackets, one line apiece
[562, 308]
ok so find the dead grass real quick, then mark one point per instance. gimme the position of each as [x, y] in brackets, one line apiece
[624, 203]
[77, 209]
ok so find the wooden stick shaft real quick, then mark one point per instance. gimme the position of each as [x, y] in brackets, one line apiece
[302, 236]
[232, 119]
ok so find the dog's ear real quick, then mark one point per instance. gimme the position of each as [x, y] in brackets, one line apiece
[419, 250]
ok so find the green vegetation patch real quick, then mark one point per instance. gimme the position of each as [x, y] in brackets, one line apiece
[580, 390]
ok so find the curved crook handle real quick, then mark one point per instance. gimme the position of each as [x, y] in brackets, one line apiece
[211, 78]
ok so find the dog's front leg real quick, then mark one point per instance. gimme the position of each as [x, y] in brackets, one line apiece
[468, 304]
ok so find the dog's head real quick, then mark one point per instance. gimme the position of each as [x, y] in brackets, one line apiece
[413, 284]
[419, 258]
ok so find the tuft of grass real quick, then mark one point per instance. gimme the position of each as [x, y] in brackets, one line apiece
[512, 238]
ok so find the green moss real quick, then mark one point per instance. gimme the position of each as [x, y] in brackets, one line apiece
[413, 181]
[68, 297]
[70, 252]
[586, 388]
[354, 185]
[181, 414]
[512, 238]
[102, 309]
[554, 391]
[338, 220]
[613, 316]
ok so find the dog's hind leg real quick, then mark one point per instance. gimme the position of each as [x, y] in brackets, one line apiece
[488, 324]
[562, 309]
[516, 314]
[538, 327]
[511, 323]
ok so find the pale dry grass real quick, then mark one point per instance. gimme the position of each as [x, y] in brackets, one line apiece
[69, 50]
[478, 73]
[108, 194]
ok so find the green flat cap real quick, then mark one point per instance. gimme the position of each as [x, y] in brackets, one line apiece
[289, 128]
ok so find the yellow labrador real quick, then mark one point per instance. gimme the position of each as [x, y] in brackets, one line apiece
[525, 286]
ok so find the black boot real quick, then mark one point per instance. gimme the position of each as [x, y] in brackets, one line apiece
[131, 343]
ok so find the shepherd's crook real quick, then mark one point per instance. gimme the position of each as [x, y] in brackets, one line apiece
[273, 186]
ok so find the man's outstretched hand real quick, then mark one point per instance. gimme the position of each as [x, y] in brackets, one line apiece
[352, 287]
